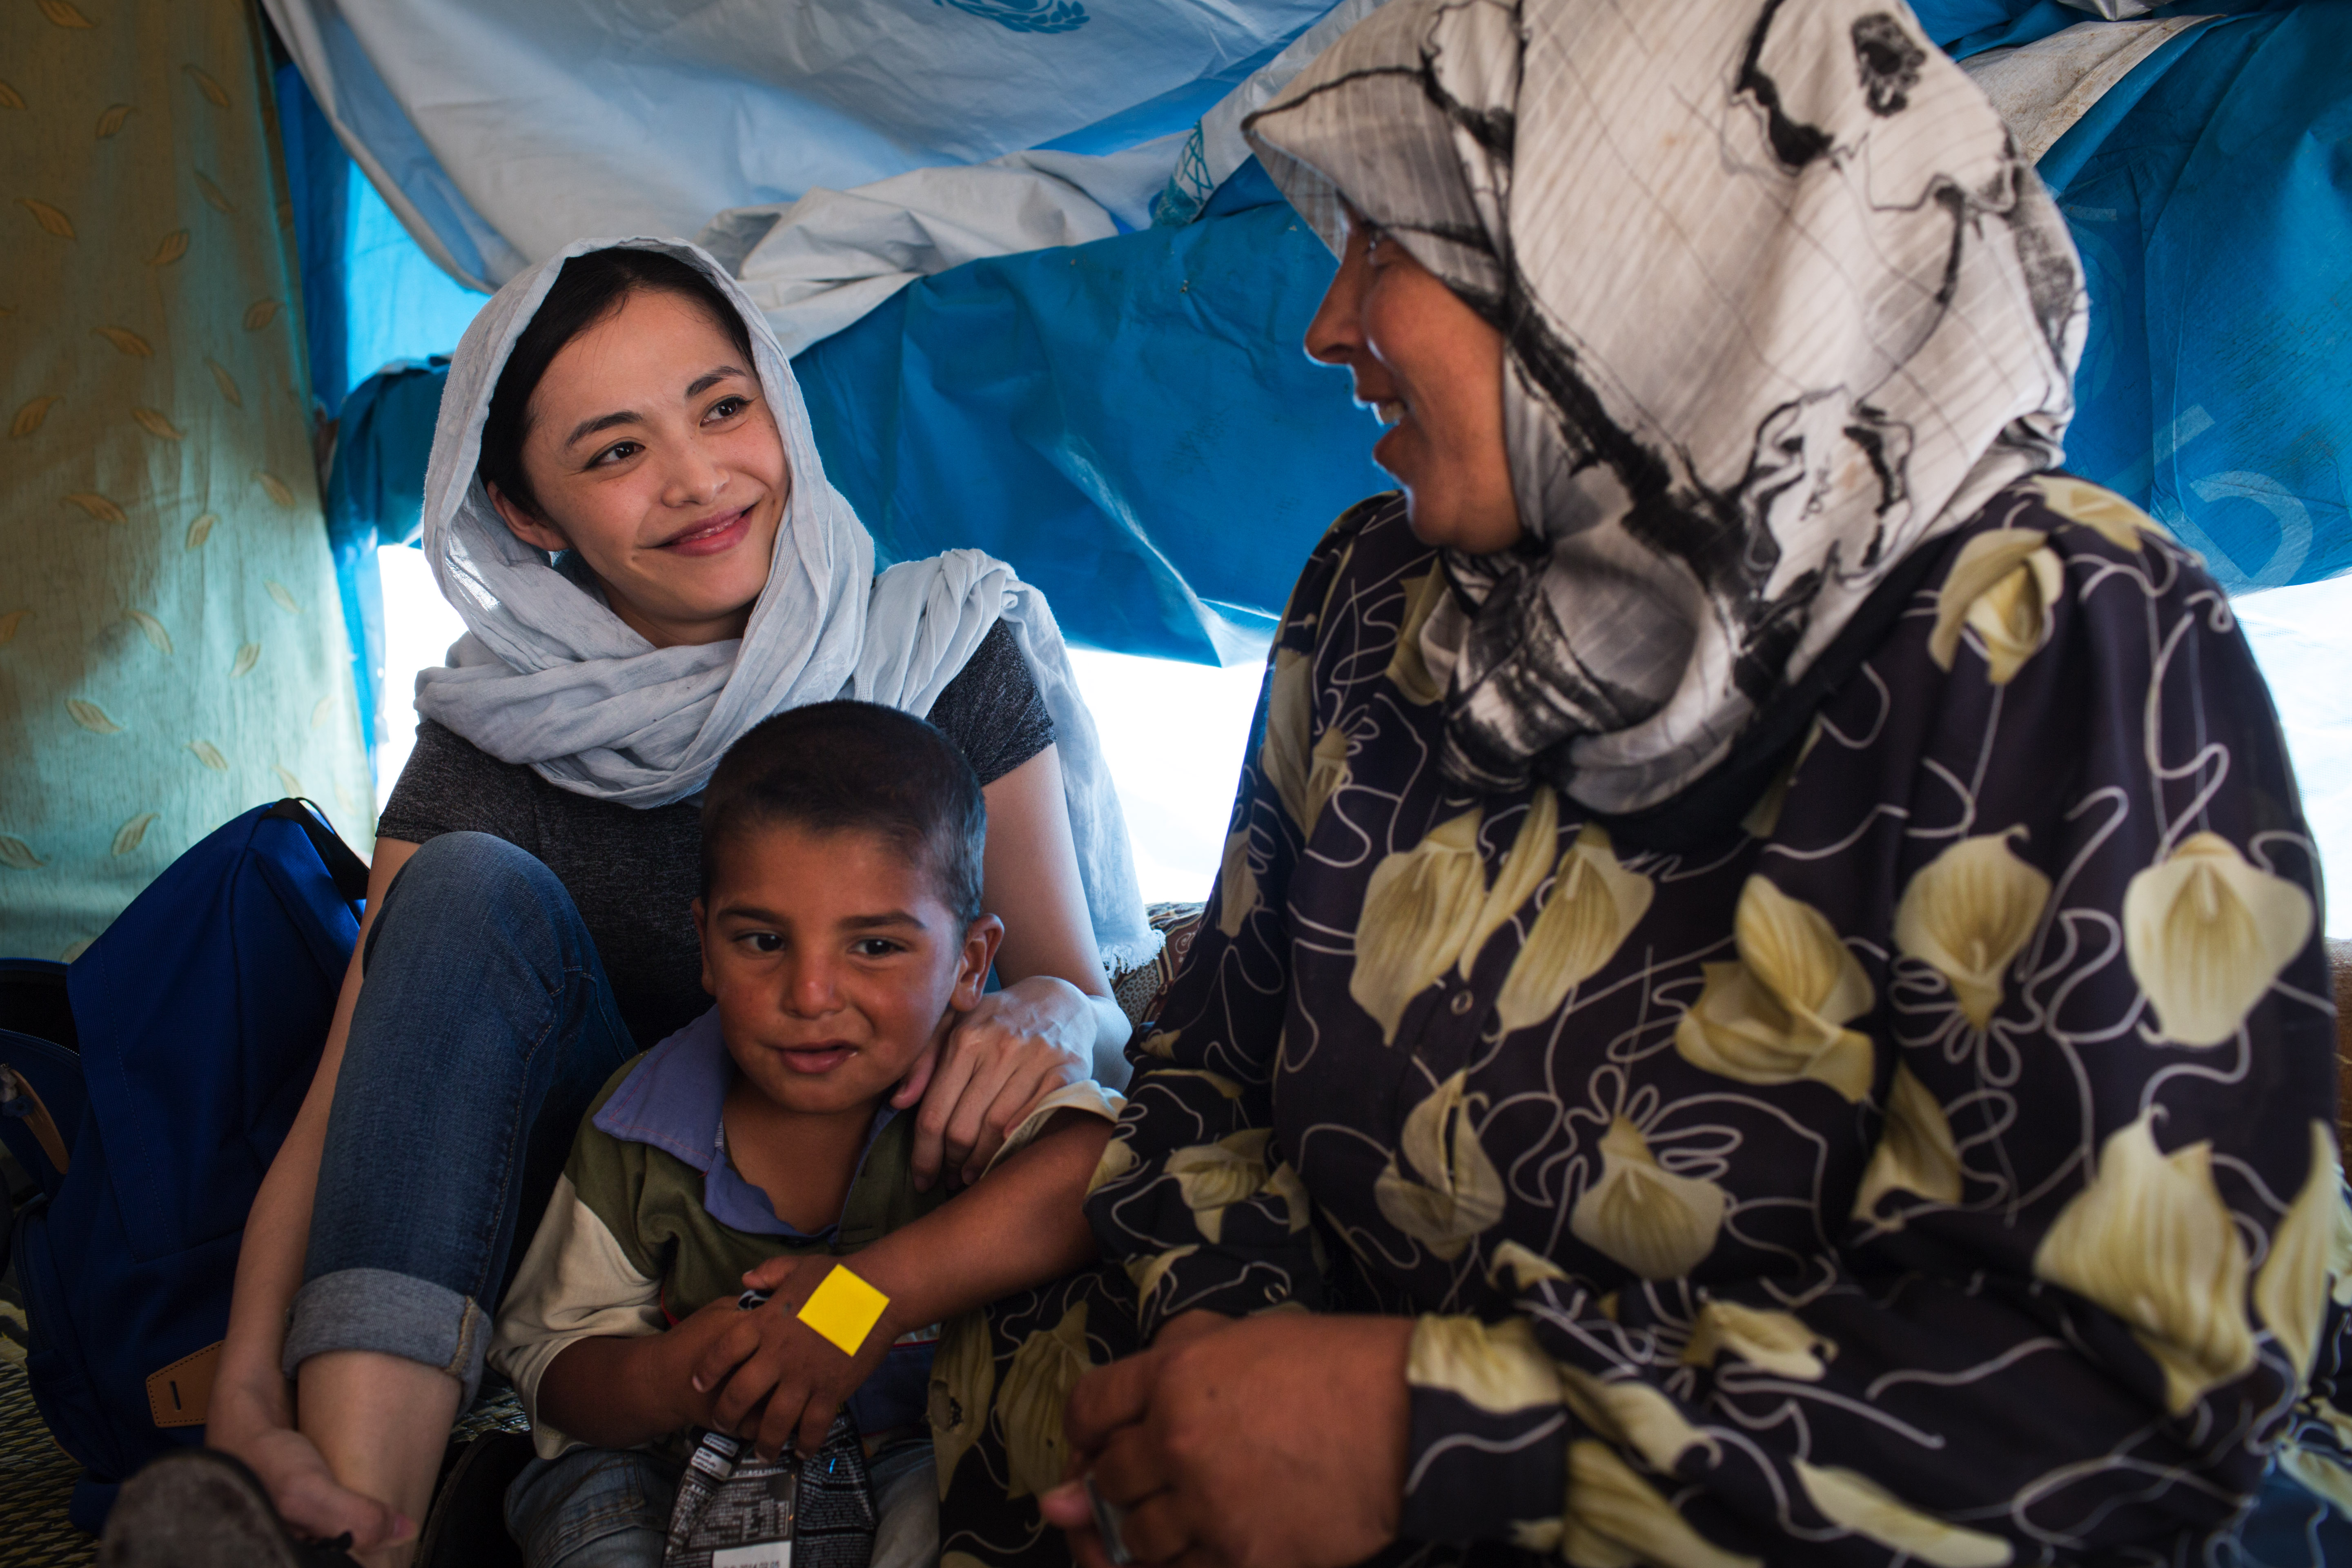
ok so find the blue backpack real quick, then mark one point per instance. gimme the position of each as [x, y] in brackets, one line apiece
[147, 1087]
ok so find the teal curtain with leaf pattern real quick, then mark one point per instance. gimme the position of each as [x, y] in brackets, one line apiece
[170, 651]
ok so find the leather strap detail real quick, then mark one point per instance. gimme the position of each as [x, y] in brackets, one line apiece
[181, 1394]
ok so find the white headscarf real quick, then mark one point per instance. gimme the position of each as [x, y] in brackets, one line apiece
[1780, 304]
[549, 676]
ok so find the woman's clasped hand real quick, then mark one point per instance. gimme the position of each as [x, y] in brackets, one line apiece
[1277, 1440]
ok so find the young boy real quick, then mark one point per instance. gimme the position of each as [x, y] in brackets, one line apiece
[842, 935]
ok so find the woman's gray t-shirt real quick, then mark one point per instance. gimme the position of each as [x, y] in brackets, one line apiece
[632, 872]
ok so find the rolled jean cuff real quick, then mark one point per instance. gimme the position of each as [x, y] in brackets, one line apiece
[391, 1314]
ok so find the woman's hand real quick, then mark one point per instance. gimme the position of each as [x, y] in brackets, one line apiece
[1018, 1046]
[1273, 1442]
[300, 1486]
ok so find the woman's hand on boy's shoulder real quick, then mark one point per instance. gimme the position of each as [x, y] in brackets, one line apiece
[770, 1377]
[1020, 1045]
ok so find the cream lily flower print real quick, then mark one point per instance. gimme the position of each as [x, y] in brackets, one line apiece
[2001, 588]
[1497, 1367]
[1867, 1508]
[1635, 1416]
[1516, 880]
[1778, 1014]
[2207, 934]
[1117, 1160]
[1036, 1387]
[1407, 667]
[2291, 1292]
[2151, 1240]
[1916, 1152]
[1326, 773]
[1595, 905]
[963, 1383]
[1420, 909]
[1621, 1519]
[1289, 714]
[2116, 520]
[1657, 1224]
[1453, 1191]
[1779, 1343]
[1863, 1202]
[1213, 1176]
[1237, 884]
[1148, 1272]
[1968, 915]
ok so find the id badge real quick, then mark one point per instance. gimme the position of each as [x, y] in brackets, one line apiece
[766, 1554]
[733, 1509]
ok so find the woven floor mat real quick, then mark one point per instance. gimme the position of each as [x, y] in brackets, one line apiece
[35, 1479]
[36, 1476]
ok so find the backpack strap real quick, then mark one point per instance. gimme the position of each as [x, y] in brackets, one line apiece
[18, 1098]
[343, 864]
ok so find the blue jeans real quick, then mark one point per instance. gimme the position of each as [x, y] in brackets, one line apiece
[607, 1507]
[484, 1029]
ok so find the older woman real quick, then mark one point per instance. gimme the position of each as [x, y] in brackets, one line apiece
[1767, 950]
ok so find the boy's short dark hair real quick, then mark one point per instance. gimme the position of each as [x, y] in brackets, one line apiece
[834, 767]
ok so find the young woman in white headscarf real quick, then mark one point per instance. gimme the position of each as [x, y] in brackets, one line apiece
[1765, 1001]
[626, 503]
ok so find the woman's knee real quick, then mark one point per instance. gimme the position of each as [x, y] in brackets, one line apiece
[472, 882]
[472, 867]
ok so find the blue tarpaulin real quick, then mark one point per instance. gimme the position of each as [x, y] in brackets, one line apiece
[375, 495]
[1133, 425]
[2210, 196]
[370, 297]
[372, 305]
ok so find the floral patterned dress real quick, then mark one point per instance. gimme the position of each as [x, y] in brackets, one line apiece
[1936, 1163]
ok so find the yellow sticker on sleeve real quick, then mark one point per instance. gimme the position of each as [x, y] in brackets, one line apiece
[844, 1309]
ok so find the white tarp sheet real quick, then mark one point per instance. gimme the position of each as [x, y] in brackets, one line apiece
[500, 129]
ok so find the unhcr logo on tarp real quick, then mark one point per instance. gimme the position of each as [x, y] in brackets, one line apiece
[1026, 15]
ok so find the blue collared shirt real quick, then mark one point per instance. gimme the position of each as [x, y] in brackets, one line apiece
[675, 1100]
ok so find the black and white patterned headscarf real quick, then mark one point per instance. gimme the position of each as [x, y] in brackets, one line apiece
[1780, 301]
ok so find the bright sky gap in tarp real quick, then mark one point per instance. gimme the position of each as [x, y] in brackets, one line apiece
[1098, 414]
[373, 303]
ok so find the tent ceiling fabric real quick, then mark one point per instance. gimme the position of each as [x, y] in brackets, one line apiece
[500, 129]
[821, 263]
[2194, 156]
[2043, 89]
[818, 265]
[835, 155]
